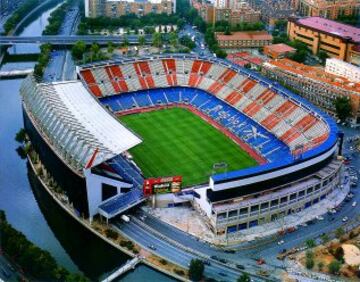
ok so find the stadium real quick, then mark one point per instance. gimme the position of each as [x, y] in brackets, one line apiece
[176, 128]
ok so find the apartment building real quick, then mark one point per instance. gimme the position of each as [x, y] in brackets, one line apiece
[116, 8]
[338, 40]
[244, 39]
[328, 9]
[315, 84]
[344, 69]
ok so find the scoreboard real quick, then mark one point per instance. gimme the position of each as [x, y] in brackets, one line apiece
[162, 185]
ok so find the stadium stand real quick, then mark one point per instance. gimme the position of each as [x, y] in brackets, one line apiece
[278, 114]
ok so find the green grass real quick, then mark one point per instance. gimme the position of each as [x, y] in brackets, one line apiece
[178, 142]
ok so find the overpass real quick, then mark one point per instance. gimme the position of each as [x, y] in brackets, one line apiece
[66, 40]
[126, 267]
[15, 73]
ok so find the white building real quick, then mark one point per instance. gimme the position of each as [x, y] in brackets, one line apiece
[344, 69]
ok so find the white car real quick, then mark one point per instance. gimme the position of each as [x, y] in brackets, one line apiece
[319, 217]
[354, 204]
[281, 242]
[345, 219]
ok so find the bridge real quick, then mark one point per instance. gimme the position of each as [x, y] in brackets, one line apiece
[124, 268]
[66, 40]
[15, 73]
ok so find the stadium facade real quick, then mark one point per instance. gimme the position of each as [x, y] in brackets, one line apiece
[73, 128]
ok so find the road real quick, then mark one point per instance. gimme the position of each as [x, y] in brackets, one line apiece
[199, 40]
[174, 254]
[67, 40]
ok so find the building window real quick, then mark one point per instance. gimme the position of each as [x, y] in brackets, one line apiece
[108, 191]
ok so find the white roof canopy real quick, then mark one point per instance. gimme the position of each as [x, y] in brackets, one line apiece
[75, 123]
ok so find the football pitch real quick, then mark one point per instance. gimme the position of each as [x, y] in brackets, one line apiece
[178, 142]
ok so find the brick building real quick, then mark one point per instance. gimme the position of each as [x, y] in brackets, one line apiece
[244, 39]
[278, 51]
[116, 8]
[229, 11]
[314, 84]
[336, 39]
[328, 9]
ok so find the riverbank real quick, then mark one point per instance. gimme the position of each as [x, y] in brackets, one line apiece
[100, 229]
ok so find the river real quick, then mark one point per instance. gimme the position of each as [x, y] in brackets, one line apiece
[30, 210]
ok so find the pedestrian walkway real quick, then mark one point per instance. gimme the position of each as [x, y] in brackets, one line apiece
[124, 268]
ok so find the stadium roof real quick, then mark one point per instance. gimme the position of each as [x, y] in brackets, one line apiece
[75, 123]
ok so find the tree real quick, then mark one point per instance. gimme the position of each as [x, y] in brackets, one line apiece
[78, 50]
[334, 267]
[186, 41]
[196, 270]
[309, 263]
[110, 47]
[156, 39]
[339, 232]
[142, 40]
[310, 243]
[324, 238]
[343, 107]
[125, 41]
[220, 53]
[320, 265]
[339, 254]
[244, 278]
[173, 39]
[323, 56]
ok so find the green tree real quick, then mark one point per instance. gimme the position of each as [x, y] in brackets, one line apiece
[339, 254]
[110, 47]
[309, 263]
[320, 265]
[220, 53]
[323, 56]
[78, 50]
[125, 41]
[324, 238]
[334, 266]
[339, 232]
[173, 40]
[196, 270]
[310, 243]
[156, 39]
[244, 278]
[343, 108]
[142, 40]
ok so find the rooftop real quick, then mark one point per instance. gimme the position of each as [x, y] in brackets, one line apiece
[339, 29]
[245, 35]
[280, 48]
[314, 73]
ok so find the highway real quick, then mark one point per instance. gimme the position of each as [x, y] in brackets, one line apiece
[175, 254]
[66, 40]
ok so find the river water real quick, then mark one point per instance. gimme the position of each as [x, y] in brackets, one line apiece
[30, 210]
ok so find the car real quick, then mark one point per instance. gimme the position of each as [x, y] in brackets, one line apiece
[354, 204]
[222, 260]
[280, 242]
[206, 262]
[345, 219]
[222, 274]
[152, 247]
[319, 217]
[229, 251]
[332, 218]
[240, 266]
